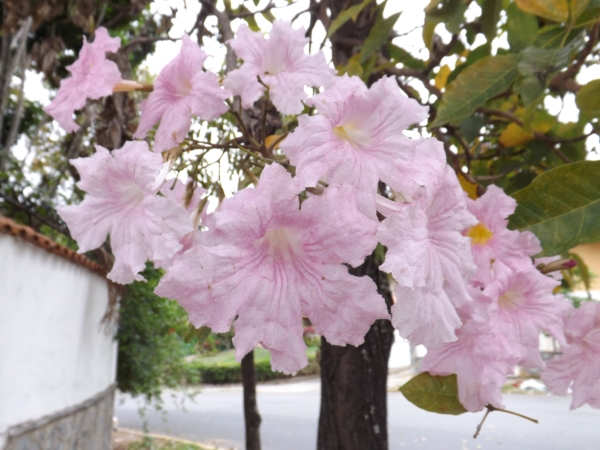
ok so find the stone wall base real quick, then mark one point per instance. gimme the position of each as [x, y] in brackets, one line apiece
[87, 426]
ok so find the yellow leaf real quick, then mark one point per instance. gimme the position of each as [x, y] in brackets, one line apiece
[353, 67]
[514, 135]
[270, 140]
[468, 186]
[441, 78]
[556, 10]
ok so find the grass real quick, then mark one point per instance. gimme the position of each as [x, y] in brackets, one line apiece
[260, 354]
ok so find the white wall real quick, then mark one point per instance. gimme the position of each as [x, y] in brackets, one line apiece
[54, 353]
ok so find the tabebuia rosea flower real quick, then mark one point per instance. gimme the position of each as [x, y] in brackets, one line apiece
[182, 89]
[578, 366]
[93, 76]
[430, 260]
[492, 241]
[481, 358]
[281, 64]
[121, 201]
[520, 304]
[275, 263]
[356, 138]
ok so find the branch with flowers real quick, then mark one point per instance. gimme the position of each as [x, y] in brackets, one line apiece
[333, 175]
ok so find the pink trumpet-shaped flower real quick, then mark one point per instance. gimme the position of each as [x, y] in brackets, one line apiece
[182, 89]
[121, 201]
[93, 76]
[520, 304]
[491, 240]
[275, 263]
[281, 64]
[579, 364]
[430, 260]
[481, 358]
[357, 139]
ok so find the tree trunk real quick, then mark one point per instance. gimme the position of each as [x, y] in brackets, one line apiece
[354, 383]
[354, 379]
[251, 415]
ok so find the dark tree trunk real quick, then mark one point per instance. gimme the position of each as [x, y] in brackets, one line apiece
[354, 383]
[251, 415]
[354, 379]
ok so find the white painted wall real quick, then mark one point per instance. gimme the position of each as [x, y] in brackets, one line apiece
[54, 353]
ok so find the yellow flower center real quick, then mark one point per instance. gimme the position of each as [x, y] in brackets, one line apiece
[351, 133]
[479, 234]
[510, 299]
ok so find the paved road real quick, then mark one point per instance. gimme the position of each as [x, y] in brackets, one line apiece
[290, 414]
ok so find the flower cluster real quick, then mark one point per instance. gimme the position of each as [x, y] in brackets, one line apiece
[512, 303]
[465, 286]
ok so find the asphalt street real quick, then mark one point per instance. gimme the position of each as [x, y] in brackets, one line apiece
[290, 414]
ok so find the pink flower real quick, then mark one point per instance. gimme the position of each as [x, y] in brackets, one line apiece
[275, 263]
[430, 261]
[181, 90]
[520, 304]
[121, 201]
[492, 241]
[93, 76]
[357, 139]
[177, 192]
[281, 64]
[481, 359]
[579, 363]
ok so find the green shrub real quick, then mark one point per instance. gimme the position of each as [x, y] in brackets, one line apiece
[230, 371]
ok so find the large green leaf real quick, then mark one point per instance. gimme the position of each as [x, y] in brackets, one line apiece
[522, 28]
[434, 393]
[561, 207]
[537, 67]
[588, 99]
[476, 84]
[345, 15]
[379, 33]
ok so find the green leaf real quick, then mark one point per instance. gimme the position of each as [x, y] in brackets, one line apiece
[588, 99]
[268, 15]
[537, 67]
[561, 207]
[584, 270]
[399, 55]
[428, 31]
[522, 28]
[379, 33]
[201, 334]
[252, 24]
[434, 393]
[189, 334]
[591, 13]
[449, 12]
[490, 14]
[345, 15]
[474, 86]
[470, 127]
